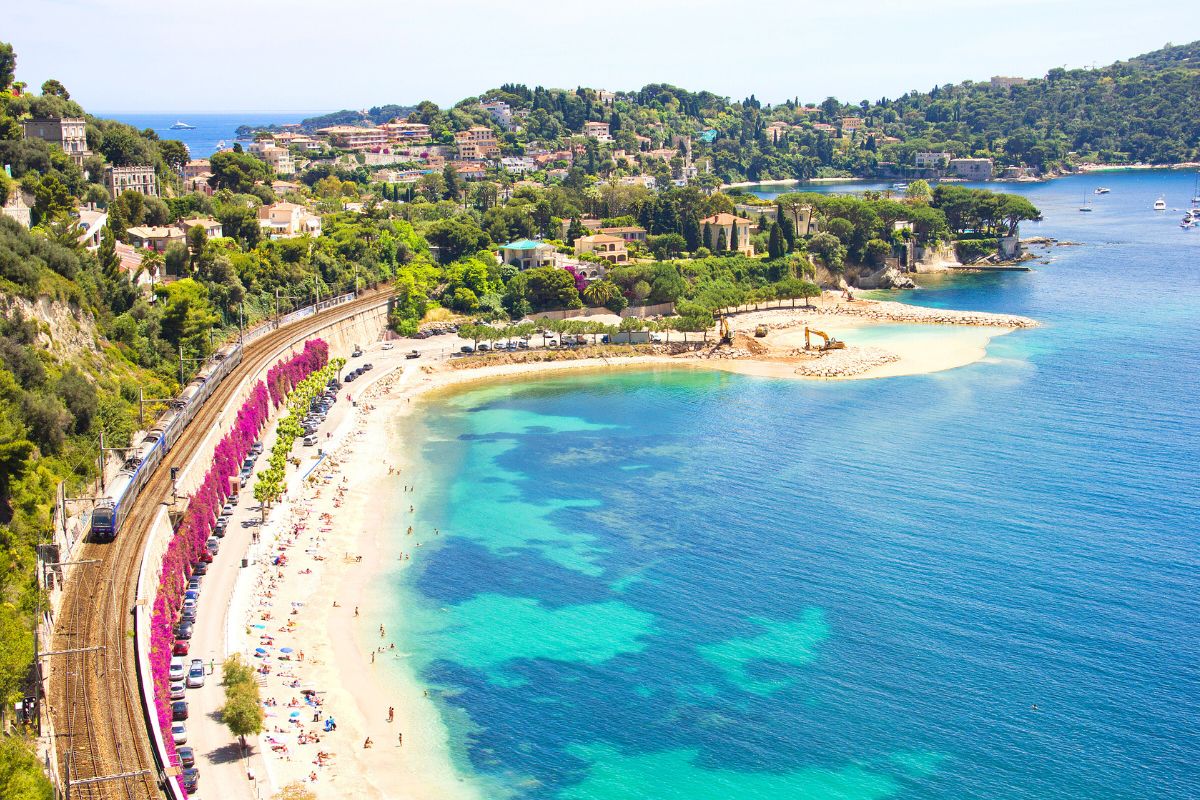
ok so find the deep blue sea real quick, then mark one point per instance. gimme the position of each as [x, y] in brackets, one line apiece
[980, 583]
[211, 129]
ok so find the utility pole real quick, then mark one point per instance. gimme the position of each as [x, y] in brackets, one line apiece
[101, 461]
[181, 384]
[241, 319]
[276, 306]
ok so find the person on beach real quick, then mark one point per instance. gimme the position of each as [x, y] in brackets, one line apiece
[391, 713]
[356, 611]
[400, 739]
[367, 744]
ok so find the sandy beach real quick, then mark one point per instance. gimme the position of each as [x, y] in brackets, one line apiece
[314, 589]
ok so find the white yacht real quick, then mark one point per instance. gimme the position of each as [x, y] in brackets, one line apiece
[1160, 204]
[1102, 190]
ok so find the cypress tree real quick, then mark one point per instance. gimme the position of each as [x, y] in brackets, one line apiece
[707, 238]
[721, 243]
[733, 235]
[775, 244]
[691, 231]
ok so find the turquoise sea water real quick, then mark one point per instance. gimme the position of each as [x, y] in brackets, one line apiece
[981, 583]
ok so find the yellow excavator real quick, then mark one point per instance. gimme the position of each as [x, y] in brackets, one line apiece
[726, 333]
[829, 343]
[760, 331]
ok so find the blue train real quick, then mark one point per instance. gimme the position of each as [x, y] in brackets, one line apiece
[119, 495]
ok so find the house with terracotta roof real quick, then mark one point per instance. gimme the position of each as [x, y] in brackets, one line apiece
[212, 228]
[352, 137]
[724, 223]
[154, 237]
[597, 131]
[477, 142]
[610, 248]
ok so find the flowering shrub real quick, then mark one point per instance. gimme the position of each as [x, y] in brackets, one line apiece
[204, 507]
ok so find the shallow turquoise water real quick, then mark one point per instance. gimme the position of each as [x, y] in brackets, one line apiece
[980, 583]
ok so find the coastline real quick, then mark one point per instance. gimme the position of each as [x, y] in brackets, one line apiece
[349, 660]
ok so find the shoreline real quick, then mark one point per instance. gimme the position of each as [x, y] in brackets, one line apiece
[351, 505]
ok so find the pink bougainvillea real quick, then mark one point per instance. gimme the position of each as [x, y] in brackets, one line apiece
[581, 282]
[200, 516]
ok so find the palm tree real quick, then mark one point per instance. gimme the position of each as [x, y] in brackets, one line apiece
[600, 293]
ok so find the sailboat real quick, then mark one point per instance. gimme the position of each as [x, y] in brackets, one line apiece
[1196, 192]
[1087, 204]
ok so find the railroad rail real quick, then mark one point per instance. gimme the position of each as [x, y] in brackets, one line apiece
[102, 739]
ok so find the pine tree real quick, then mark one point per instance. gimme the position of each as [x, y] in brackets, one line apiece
[707, 239]
[733, 235]
[614, 122]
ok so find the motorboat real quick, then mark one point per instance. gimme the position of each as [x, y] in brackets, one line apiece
[1160, 204]
[182, 126]
[1102, 190]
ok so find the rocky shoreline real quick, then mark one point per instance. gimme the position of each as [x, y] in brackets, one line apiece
[881, 311]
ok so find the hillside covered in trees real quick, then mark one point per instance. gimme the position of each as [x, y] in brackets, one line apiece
[1140, 110]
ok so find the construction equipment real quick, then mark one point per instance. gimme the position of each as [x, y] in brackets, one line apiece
[726, 333]
[830, 343]
[760, 331]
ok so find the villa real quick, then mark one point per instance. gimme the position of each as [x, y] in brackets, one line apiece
[610, 248]
[285, 220]
[526, 254]
[724, 223]
[155, 238]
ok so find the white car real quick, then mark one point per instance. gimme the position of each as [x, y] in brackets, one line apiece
[179, 732]
[387, 346]
[195, 678]
[178, 690]
[178, 670]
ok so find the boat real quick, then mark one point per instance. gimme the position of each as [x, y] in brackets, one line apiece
[1102, 190]
[1087, 204]
[182, 126]
[900, 187]
[1160, 204]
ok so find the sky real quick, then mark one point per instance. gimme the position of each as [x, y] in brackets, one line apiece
[313, 55]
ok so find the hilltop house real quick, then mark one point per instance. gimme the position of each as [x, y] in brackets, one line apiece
[932, 160]
[153, 237]
[212, 228]
[527, 254]
[597, 131]
[725, 223]
[610, 248]
[285, 220]
[67, 132]
[136, 177]
[630, 233]
[477, 143]
[351, 137]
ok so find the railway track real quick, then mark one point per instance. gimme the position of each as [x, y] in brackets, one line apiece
[102, 735]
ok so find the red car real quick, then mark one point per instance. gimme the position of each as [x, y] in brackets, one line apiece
[205, 556]
[180, 648]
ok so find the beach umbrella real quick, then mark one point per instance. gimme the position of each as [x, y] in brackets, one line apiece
[294, 714]
[285, 649]
[260, 650]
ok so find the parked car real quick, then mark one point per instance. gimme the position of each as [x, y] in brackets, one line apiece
[387, 346]
[213, 545]
[188, 615]
[191, 594]
[256, 450]
[179, 732]
[466, 348]
[420, 335]
[180, 648]
[310, 441]
[195, 676]
[178, 669]
[350, 378]
[179, 710]
[369, 366]
[201, 566]
[413, 354]
[356, 352]
[191, 780]
[194, 583]
[206, 556]
[187, 757]
[183, 630]
[178, 690]
[484, 346]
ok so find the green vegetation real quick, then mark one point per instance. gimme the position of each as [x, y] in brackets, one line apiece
[242, 712]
